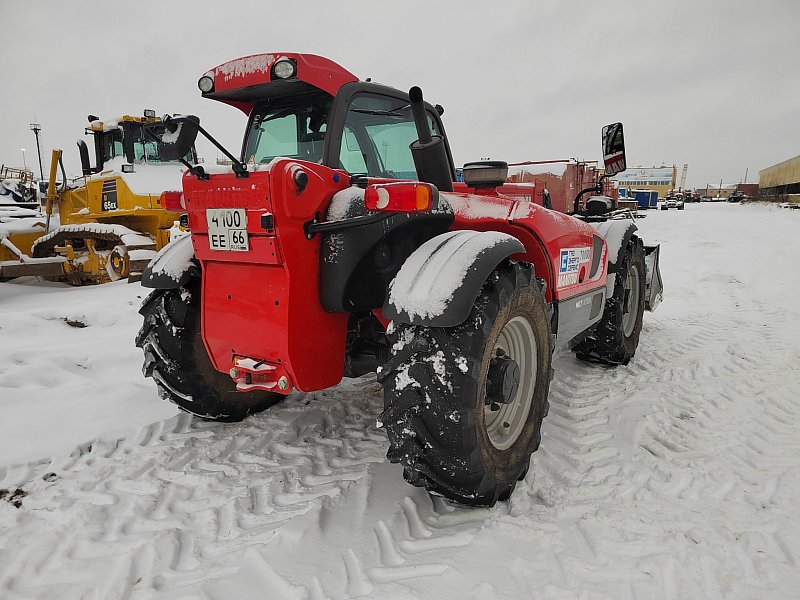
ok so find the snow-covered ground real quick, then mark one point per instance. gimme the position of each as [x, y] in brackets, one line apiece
[674, 477]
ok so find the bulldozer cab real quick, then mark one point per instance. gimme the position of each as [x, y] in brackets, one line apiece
[125, 137]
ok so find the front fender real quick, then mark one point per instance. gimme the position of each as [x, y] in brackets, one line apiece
[438, 284]
[173, 266]
[617, 233]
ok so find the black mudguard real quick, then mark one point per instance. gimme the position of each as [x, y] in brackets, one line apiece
[617, 234]
[654, 289]
[482, 250]
[173, 266]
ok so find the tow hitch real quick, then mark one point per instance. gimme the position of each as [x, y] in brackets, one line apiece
[250, 374]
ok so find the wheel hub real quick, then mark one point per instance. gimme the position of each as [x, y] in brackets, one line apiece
[502, 380]
[630, 299]
[510, 382]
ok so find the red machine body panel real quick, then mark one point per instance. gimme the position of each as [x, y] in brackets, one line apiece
[265, 301]
[561, 248]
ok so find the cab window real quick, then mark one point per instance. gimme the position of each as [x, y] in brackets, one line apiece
[378, 132]
[112, 144]
[294, 129]
[352, 156]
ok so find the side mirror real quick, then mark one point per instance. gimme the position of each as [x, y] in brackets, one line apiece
[175, 136]
[613, 149]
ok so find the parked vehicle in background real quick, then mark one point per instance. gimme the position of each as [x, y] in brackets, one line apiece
[111, 220]
[736, 196]
[675, 201]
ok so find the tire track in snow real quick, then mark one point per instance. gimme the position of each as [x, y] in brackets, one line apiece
[681, 447]
[698, 449]
[685, 426]
[176, 506]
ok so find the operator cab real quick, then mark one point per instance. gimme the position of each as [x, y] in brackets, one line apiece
[363, 128]
[305, 107]
[125, 137]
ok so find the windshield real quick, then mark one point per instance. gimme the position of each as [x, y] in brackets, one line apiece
[378, 130]
[292, 130]
[146, 149]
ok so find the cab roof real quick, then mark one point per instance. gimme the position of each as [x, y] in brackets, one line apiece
[243, 82]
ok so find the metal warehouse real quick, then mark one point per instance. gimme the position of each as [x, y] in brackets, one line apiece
[782, 181]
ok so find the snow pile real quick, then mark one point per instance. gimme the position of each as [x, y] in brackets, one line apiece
[146, 179]
[30, 224]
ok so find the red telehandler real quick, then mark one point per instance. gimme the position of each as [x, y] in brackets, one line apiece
[338, 244]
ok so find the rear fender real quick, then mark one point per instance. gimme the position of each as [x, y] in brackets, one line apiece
[173, 266]
[439, 282]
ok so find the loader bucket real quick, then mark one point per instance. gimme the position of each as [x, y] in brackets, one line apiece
[653, 286]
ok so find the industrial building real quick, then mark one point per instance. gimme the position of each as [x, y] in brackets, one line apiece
[719, 190]
[658, 179]
[781, 181]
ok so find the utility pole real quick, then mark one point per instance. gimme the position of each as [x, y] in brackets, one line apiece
[36, 128]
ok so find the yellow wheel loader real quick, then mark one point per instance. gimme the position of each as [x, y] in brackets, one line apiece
[111, 221]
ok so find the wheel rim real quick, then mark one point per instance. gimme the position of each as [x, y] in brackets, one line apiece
[117, 264]
[631, 308]
[505, 425]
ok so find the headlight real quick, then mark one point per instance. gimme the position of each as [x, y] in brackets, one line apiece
[206, 83]
[283, 69]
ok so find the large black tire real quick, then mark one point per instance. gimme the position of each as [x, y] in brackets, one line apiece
[435, 388]
[616, 337]
[175, 357]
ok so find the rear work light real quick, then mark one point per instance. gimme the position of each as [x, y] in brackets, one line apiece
[401, 197]
[206, 82]
[284, 69]
[173, 201]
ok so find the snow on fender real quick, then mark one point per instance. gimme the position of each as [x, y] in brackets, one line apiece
[172, 266]
[438, 283]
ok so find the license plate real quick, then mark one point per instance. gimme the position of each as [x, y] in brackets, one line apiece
[227, 229]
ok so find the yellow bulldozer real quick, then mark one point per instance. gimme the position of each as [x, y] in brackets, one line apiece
[111, 221]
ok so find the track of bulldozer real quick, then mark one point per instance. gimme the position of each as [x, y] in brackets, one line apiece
[104, 241]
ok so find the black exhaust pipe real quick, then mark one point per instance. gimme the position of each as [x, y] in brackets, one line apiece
[429, 152]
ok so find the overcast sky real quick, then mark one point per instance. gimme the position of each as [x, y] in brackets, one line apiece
[711, 84]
